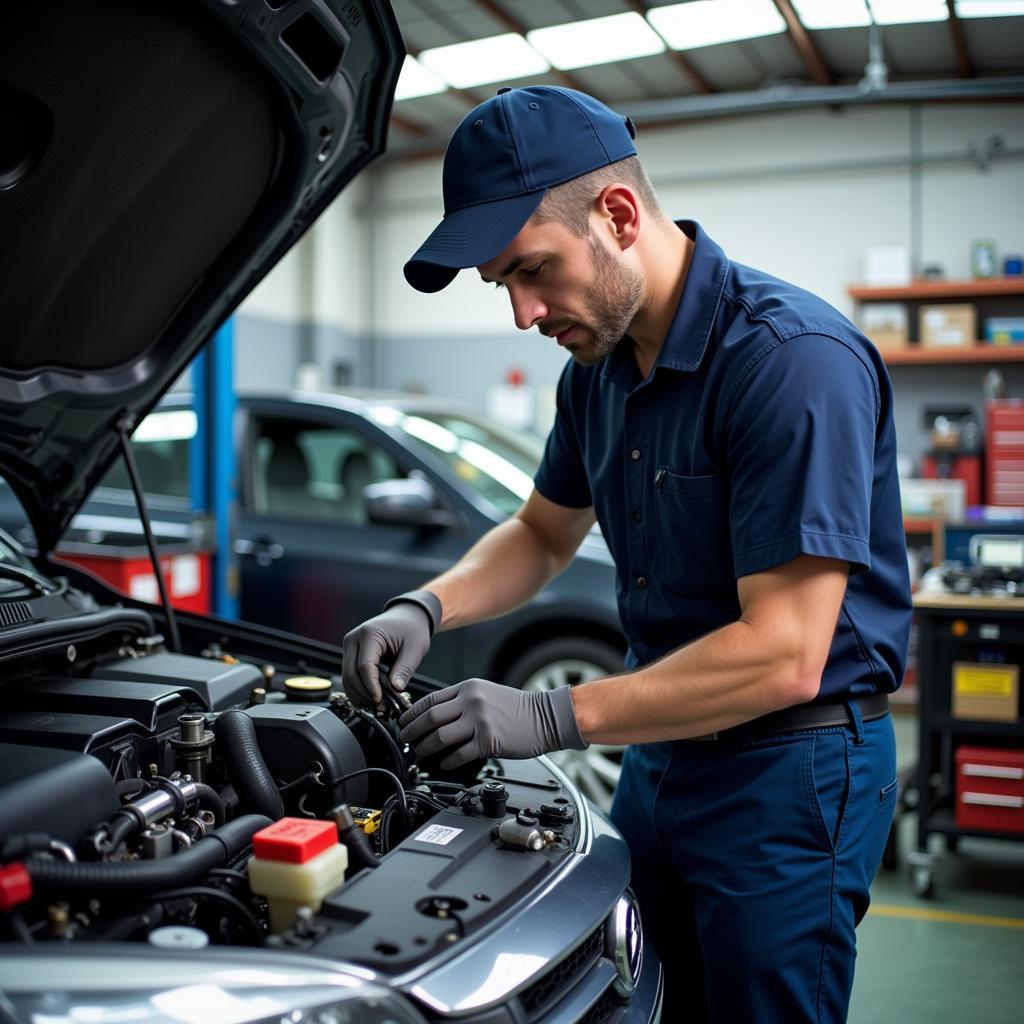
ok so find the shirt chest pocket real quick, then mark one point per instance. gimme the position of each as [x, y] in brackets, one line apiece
[692, 547]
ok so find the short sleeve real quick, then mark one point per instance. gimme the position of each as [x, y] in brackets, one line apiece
[562, 476]
[799, 439]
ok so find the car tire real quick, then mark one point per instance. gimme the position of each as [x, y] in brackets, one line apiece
[568, 661]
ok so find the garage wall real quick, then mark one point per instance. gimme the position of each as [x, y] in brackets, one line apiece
[801, 194]
[307, 322]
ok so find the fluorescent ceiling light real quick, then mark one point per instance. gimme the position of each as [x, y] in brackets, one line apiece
[903, 12]
[989, 8]
[416, 80]
[580, 44]
[818, 14]
[494, 59]
[706, 22]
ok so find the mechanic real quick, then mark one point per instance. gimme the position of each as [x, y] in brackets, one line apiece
[733, 435]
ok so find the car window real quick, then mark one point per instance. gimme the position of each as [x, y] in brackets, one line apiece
[496, 462]
[161, 448]
[311, 471]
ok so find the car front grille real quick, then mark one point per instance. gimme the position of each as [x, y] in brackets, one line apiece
[556, 982]
[607, 1009]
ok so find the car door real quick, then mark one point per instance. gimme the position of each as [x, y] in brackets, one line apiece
[311, 562]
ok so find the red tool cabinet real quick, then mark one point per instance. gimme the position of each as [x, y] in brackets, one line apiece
[990, 789]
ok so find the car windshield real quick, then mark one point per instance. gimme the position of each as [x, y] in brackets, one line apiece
[160, 446]
[12, 554]
[496, 462]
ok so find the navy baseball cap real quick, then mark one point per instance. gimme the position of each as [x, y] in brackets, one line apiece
[499, 164]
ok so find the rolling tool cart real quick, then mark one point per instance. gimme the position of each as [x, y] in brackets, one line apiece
[970, 772]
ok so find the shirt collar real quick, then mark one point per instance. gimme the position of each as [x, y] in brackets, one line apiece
[687, 339]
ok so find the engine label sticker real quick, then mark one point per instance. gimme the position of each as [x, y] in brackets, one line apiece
[441, 835]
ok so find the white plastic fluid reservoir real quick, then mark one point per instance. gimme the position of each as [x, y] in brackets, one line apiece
[296, 862]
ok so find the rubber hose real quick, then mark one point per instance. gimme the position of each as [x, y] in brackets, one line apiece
[210, 799]
[213, 851]
[121, 826]
[236, 739]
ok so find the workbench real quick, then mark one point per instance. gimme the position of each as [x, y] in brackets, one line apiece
[957, 628]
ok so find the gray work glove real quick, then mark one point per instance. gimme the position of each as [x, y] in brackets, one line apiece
[478, 719]
[400, 635]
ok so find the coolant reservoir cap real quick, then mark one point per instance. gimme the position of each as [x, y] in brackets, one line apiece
[178, 937]
[307, 687]
[294, 840]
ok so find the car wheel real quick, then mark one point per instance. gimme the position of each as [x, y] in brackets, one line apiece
[568, 661]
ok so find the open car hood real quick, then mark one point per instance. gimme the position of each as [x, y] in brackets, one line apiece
[157, 159]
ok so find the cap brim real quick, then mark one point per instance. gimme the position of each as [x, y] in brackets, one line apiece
[467, 238]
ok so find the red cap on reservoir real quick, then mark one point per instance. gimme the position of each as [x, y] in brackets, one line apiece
[15, 885]
[294, 840]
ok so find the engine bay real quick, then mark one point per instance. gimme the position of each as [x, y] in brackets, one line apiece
[133, 780]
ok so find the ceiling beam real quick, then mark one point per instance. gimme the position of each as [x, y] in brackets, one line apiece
[679, 110]
[805, 45]
[681, 62]
[412, 127]
[513, 24]
[956, 30]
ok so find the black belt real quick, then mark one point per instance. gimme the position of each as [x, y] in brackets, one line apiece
[804, 716]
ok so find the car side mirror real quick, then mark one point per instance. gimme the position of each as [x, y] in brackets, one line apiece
[410, 502]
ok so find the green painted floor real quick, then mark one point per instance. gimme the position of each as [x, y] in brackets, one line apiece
[958, 956]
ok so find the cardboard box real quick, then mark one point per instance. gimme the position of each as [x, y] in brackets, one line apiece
[949, 325]
[885, 323]
[986, 692]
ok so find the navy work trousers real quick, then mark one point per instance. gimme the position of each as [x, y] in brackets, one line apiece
[752, 861]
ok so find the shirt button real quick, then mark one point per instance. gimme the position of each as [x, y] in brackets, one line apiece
[641, 582]
[638, 515]
[635, 454]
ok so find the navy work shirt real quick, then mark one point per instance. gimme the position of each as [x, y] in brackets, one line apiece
[763, 431]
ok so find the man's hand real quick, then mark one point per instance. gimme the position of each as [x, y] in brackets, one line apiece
[476, 719]
[401, 633]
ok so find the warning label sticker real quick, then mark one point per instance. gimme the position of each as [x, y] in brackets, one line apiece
[440, 835]
[983, 682]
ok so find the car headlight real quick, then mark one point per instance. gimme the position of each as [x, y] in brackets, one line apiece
[624, 942]
[122, 986]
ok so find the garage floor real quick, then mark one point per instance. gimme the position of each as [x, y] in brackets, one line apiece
[958, 956]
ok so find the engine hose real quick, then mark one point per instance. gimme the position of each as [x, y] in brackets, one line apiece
[121, 826]
[210, 799]
[236, 743]
[213, 851]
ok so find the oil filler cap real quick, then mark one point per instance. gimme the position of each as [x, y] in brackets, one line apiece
[307, 688]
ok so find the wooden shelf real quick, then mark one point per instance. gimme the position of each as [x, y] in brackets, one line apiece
[981, 288]
[981, 353]
[918, 524]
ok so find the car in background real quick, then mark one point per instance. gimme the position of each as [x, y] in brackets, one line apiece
[347, 499]
[196, 824]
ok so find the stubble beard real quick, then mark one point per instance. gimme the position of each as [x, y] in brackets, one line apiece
[613, 301]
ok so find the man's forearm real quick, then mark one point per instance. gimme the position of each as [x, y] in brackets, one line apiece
[733, 675]
[502, 571]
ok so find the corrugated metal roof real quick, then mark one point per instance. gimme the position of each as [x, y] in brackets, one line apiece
[994, 47]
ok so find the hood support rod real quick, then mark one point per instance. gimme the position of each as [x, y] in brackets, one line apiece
[125, 426]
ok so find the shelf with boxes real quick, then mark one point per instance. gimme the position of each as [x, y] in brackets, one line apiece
[945, 322]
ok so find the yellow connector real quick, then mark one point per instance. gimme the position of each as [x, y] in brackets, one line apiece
[367, 819]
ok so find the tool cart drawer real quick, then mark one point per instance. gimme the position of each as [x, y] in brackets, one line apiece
[990, 789]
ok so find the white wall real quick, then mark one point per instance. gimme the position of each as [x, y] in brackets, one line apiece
[772, 189]
[799, 194]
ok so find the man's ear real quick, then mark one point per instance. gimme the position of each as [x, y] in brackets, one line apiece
[618, 209]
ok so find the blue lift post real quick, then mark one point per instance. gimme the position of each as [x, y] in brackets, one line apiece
[214, 475]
